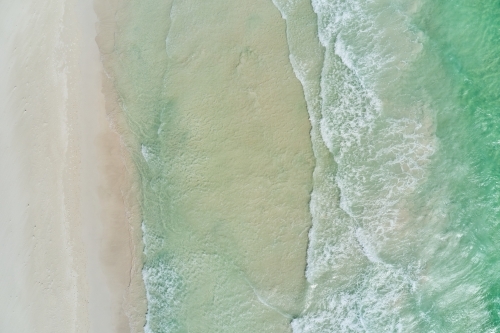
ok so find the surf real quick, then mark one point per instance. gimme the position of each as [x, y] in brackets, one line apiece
[391, 120]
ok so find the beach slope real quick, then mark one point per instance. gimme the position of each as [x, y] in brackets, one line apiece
[69, 250]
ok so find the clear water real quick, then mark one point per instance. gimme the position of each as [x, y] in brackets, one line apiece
[405, 203]
[403, 102]
[220, 135]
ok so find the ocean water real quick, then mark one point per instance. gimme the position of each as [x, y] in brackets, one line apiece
[405, 206]
[220, 135]
[391, 226]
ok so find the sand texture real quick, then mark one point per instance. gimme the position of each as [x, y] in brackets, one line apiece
[69, 249]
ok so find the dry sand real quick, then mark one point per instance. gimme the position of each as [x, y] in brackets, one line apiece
[68, 212]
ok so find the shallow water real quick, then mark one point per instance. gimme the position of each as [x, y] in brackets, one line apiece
[221, 141]
[403, 110]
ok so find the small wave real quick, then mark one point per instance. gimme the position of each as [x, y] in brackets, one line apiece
[382, 147]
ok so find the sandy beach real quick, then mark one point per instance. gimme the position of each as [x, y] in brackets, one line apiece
[119, 112]
[237, 166]
[70, 232]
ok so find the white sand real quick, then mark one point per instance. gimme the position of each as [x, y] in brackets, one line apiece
[68, 217]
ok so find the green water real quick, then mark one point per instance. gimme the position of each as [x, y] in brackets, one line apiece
[405, 201]
[404, 115]
[220, 135]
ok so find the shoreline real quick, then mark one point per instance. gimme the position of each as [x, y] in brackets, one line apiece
[70, 216]
[84, 189]
[120, 255]
[233, 168]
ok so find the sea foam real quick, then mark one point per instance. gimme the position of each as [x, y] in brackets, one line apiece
[381, 151]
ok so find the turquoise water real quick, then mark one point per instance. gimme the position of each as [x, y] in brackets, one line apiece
[406, 201]
[404, 112]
